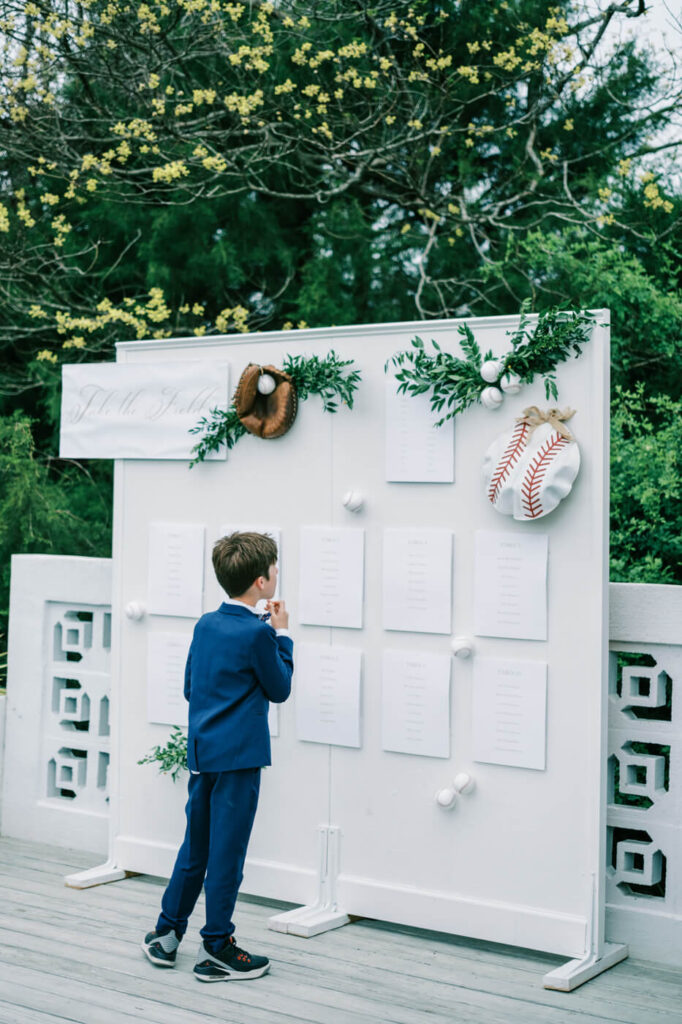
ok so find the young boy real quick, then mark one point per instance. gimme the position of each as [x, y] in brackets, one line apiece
[237, 662]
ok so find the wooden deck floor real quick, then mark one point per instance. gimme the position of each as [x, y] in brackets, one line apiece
[68, 955]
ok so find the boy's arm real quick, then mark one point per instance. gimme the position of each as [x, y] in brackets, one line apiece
[273, 664]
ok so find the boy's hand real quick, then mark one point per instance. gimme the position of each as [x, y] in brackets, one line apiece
[279, 616]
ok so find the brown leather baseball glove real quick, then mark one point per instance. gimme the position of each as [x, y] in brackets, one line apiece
[266, 415]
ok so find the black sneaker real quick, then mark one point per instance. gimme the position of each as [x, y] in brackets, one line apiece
[161, 949]
[229, 964]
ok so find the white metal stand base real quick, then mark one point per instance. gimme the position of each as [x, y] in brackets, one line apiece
[576, 972]
[99, 875]
[324, 914]
[308, 921]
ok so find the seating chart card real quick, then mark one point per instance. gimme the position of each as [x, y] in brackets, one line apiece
[166, 660]
[415, 703]
[416, 450]
[510, 712]
[327, 694]
[417, 580]
[138, 411]
[331, 576]
[176, 569]
[510, 585]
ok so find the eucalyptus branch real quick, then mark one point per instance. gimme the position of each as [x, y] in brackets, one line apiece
[172, 758]
[455, 384]
[324, 377]
[310, 375]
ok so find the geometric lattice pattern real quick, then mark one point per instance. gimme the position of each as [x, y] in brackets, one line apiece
[75, 727]
[644, 841]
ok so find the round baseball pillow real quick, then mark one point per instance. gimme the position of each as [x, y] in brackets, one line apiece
[531, 467]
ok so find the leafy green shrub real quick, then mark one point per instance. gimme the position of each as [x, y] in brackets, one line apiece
[646, 514]
[46, 507]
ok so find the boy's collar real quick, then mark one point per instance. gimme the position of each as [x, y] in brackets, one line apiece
[231, 602]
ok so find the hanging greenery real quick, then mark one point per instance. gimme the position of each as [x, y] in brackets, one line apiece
[328, 377]
[455, 384]
[172, 758]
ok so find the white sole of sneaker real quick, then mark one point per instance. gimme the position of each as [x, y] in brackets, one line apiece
[153, 960]
[234, 975]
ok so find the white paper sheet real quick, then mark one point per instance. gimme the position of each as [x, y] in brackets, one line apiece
[510, 585]
[176, 569]
[415, 703]
[138, 410]
[274, 531]
[166, 660]
[417, 580]
[510, 712]
[327, 694]
[273, 719]
[331, 573]
[416, 450]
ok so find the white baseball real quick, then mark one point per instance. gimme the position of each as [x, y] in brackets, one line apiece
[266, 384]
[353, 501]
[491, 370]
[511, 384]
[492, 398]
[446, 797]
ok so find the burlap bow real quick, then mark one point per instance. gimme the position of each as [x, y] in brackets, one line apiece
[555, 417]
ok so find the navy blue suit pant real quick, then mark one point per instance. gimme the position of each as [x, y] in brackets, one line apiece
[220, 810]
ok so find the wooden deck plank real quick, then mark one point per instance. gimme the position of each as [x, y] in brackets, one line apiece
[367, 973]
[379, 953]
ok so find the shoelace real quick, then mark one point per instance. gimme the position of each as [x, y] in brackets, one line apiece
[241, 953]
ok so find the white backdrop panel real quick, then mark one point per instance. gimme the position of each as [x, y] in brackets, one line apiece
[515, 861]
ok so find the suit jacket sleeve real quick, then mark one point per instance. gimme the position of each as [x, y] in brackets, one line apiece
[273, 663]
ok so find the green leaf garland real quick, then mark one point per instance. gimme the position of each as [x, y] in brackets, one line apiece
[172, 758]
[311, 375]
[455, 384]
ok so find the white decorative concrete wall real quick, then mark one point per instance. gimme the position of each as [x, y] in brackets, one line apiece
[55, 785]
[644, 819]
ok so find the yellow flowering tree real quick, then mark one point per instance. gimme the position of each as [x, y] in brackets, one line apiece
[452, 128]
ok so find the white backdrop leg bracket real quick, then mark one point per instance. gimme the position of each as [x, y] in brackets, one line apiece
[576, 972]
[324, 914]
[99, 875]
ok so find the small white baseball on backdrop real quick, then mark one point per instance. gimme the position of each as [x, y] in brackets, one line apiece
[446, 797]
[492, 398]
[135, 610]
[463, 783]
[491, 370]
[511, 384]
[462, 646]
[353, 501]
[266, 384]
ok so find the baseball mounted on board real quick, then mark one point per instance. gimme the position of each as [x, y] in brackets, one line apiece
[531, 467]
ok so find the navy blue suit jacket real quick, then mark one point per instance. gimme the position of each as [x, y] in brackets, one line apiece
[236, 664]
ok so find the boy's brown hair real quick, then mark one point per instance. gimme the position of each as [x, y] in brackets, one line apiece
[240, 558]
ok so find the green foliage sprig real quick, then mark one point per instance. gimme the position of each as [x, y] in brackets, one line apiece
[455, 384]
[327, 377]
[172, 758]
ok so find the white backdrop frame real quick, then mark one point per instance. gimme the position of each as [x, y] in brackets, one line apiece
[357, 831]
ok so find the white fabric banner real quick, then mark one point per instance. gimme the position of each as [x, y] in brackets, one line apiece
[138, 411]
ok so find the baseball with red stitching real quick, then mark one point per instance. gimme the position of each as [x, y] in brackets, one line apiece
[530, 468]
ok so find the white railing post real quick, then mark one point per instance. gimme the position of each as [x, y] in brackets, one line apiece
[644, 818]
